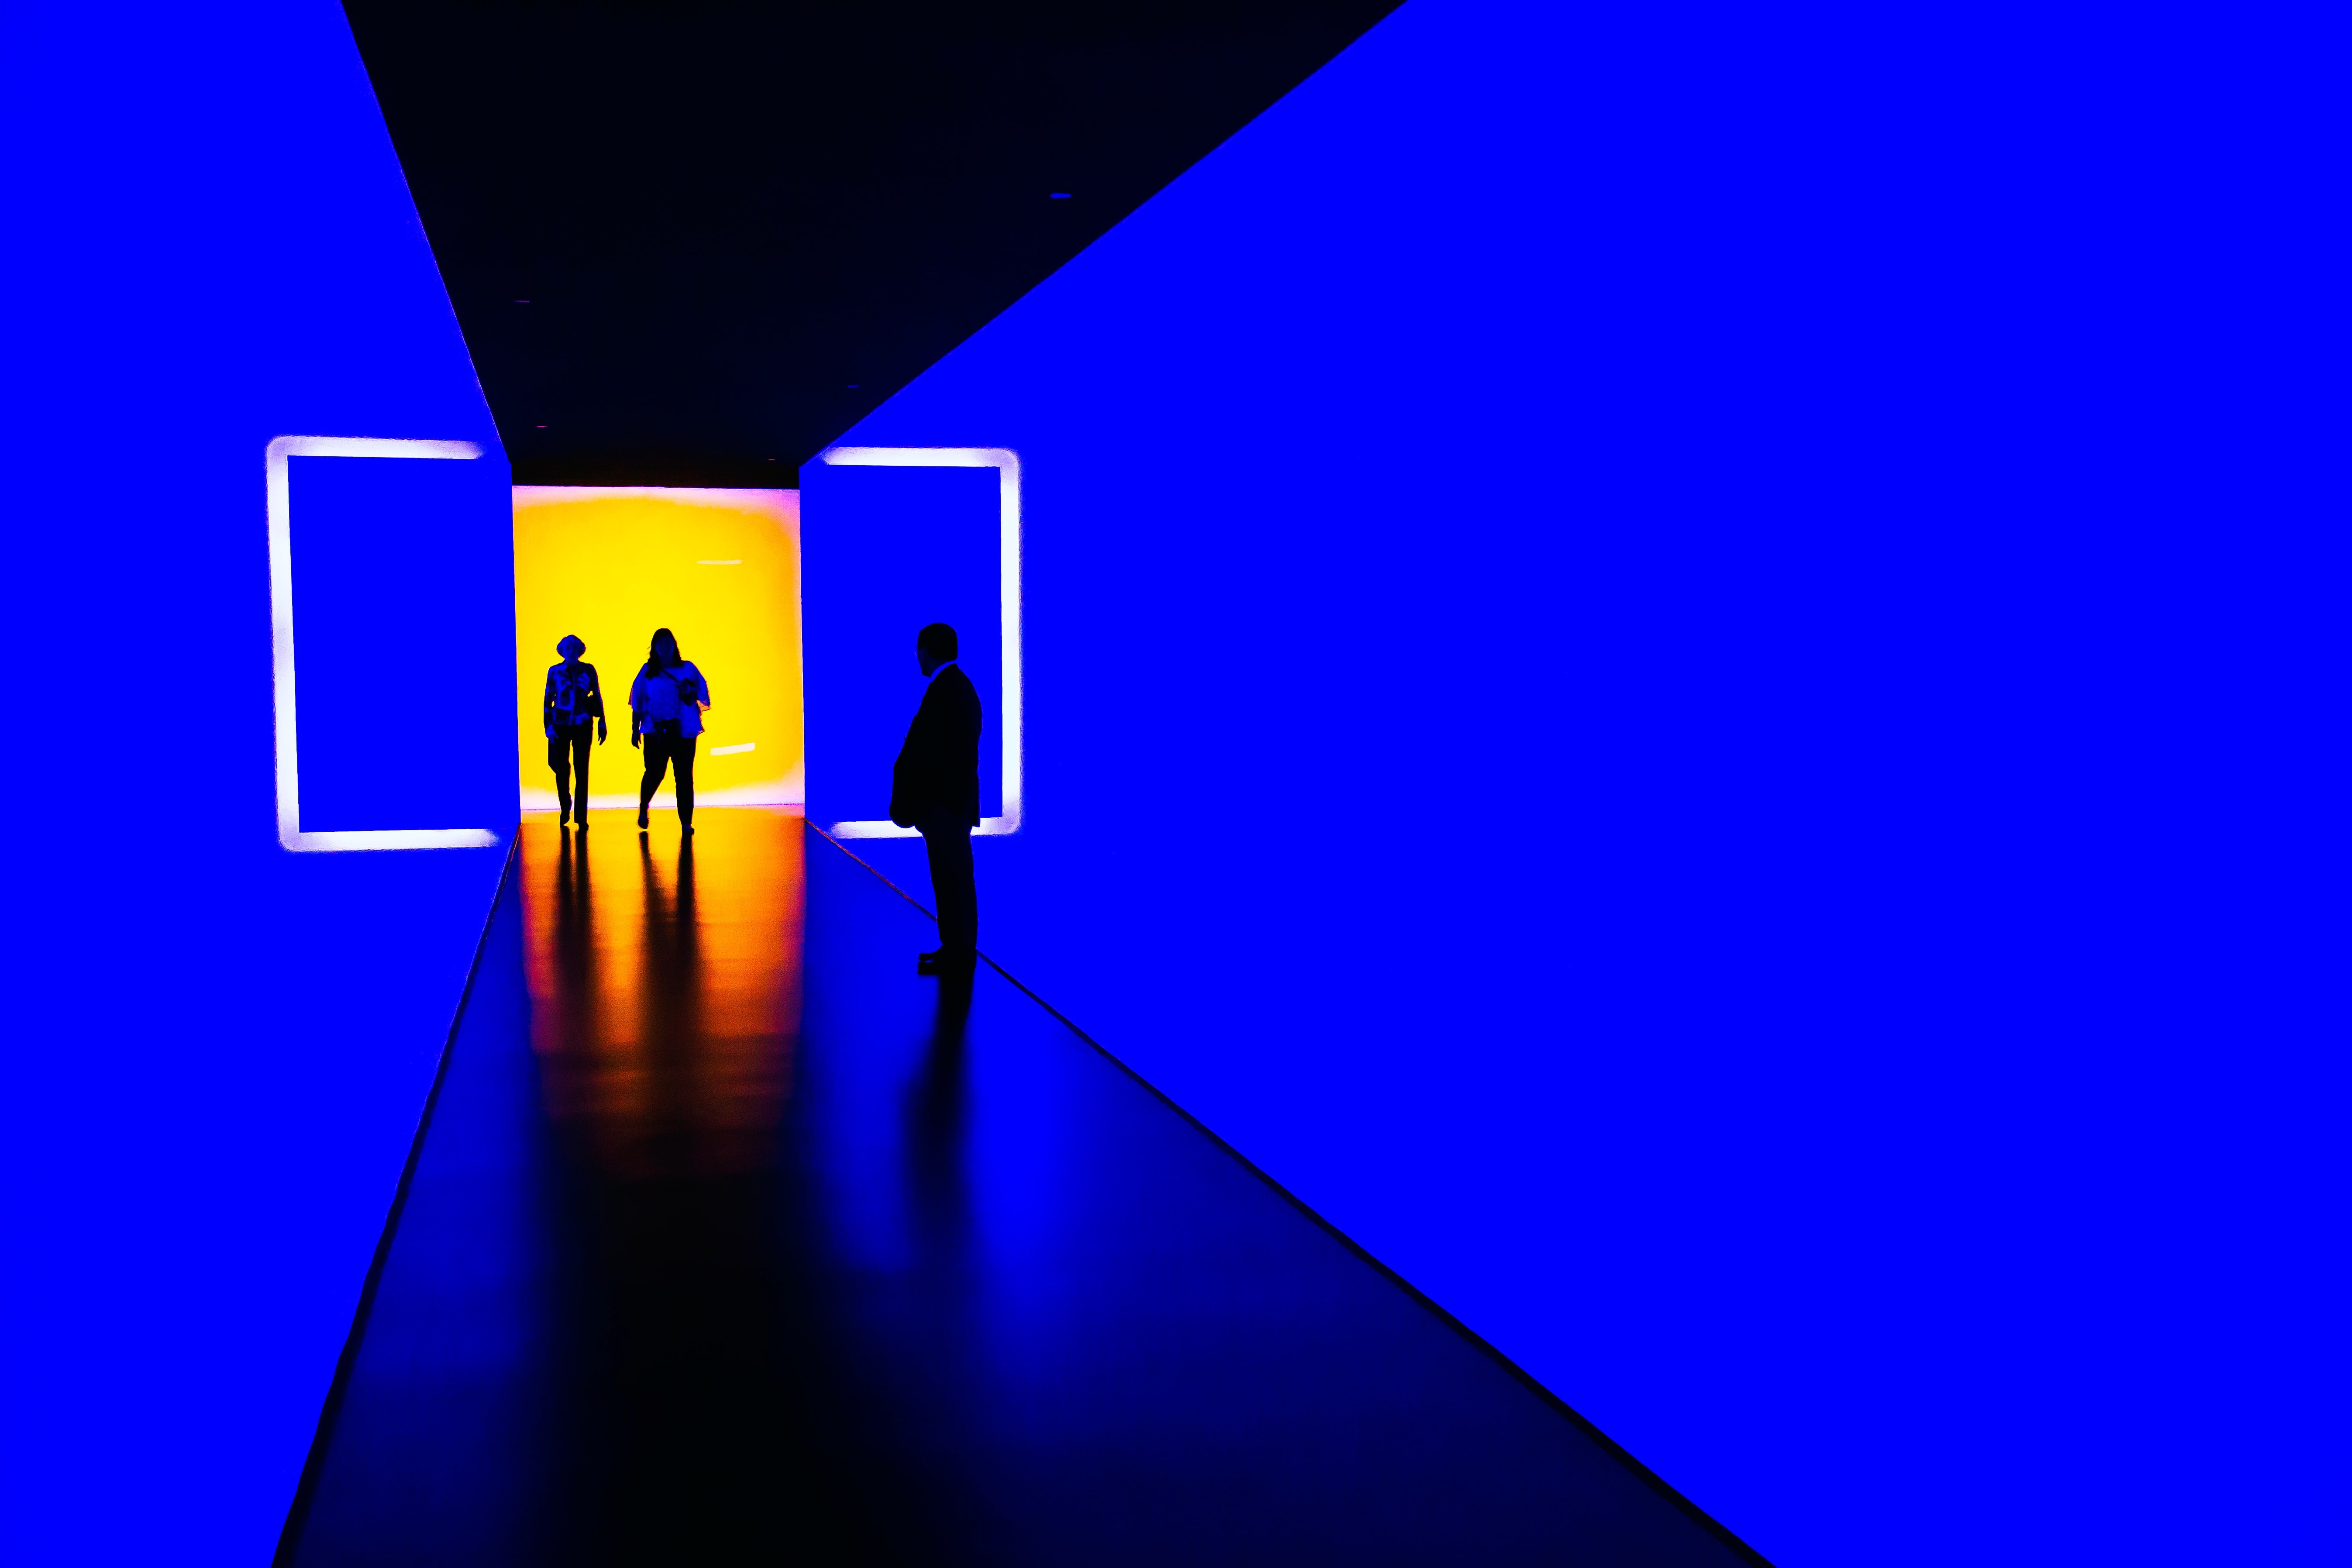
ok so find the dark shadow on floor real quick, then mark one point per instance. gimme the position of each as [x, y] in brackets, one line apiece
[738, 1241]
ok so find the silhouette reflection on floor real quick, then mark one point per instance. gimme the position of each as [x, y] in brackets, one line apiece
[738, 1241]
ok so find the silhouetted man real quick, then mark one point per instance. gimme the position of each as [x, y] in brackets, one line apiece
[935, 788]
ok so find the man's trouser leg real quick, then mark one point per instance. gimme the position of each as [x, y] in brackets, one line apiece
[949, 846]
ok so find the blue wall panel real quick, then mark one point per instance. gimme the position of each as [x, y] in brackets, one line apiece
[216, 1050]
[395, 570]
[901, 548]
[1688, 666]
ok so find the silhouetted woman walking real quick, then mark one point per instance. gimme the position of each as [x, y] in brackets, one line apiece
[572, 704]
[668, 700]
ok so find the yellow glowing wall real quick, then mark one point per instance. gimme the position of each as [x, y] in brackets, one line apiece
[719, 568]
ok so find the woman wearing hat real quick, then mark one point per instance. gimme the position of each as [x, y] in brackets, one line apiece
[572, 703]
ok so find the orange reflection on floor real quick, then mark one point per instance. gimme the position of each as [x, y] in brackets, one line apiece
[665, 985]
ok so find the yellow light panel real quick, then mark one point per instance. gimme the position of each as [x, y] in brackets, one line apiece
[719, 568]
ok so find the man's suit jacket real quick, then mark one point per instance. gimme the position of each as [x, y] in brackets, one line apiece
[937, 780]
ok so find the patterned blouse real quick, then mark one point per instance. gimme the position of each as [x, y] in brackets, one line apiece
[573, 698]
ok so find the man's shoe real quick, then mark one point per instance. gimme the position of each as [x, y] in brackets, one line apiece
[940, 960]
[642, 823]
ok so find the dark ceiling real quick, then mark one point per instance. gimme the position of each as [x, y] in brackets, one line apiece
[692, 244]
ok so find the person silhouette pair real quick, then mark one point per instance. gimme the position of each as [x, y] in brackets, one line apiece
[666, 702]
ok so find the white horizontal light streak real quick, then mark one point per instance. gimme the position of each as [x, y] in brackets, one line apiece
[731, 750]
[281, 648]
[1007, 464]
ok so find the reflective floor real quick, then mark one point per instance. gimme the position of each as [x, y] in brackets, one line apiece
[732, 1239]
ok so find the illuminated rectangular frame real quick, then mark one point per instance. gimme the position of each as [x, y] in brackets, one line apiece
[1007, 465]
[281, 649]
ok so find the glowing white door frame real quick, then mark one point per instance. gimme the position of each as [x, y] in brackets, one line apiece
[281, 649]
[1007, 465]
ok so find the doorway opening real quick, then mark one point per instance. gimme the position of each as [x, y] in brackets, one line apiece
[721, 569]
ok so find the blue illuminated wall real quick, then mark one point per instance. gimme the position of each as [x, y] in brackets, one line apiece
[1687, 667]
[216, 1050]
[902, 548]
